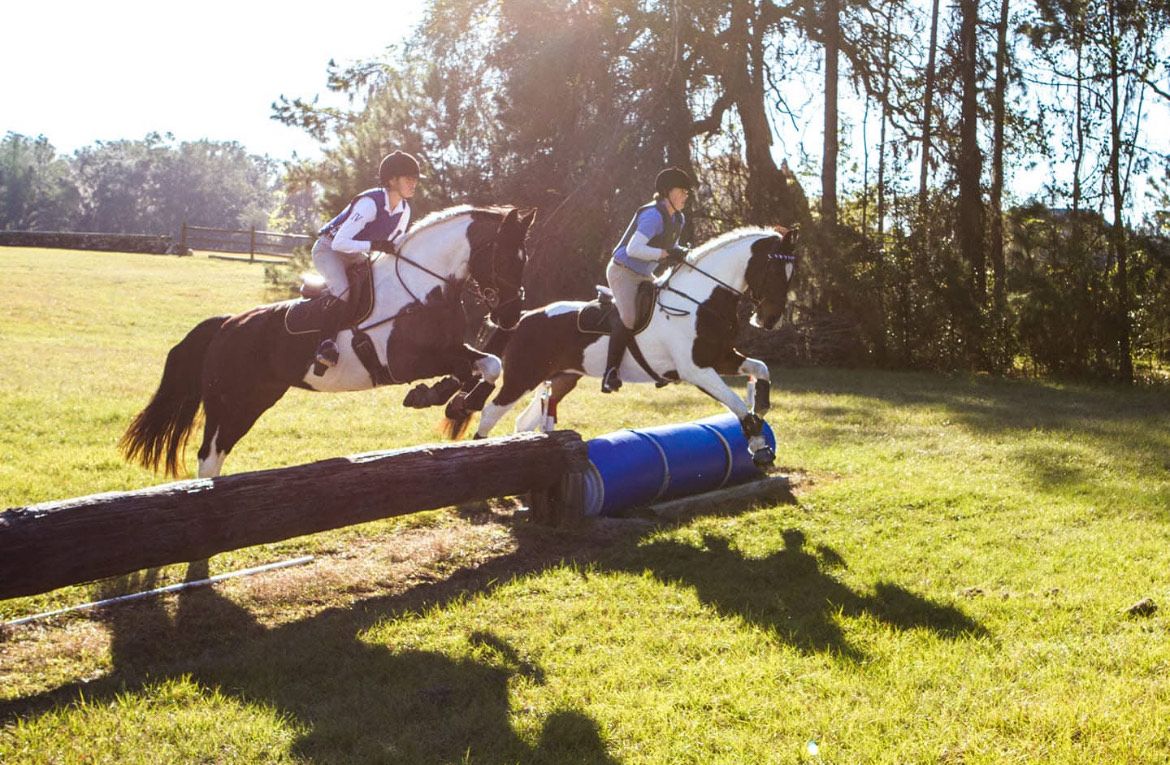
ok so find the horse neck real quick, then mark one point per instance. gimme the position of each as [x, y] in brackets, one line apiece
[442, 248]
[728, 264]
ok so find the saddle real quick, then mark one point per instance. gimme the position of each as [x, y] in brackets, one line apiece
[306, 315]
[600, 317]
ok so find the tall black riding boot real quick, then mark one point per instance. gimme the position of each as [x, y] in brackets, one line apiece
[333, 315]
[611, 381]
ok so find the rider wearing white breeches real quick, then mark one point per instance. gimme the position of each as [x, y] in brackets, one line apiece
[371, 222]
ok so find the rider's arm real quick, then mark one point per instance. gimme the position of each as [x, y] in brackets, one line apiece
[364, 210]
[649, 226]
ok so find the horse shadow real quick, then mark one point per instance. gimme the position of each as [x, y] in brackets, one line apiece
[354, 694]
[792, 593]
[350, 698]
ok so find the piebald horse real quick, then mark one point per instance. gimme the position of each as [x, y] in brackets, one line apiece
[689, 336]
[237, 367]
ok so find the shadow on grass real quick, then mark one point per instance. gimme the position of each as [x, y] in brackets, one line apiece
[359, 701]
[356, 701]
[791, 593]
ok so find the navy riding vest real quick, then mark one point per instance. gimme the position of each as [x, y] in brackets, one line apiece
[381, 227]
[662, 229]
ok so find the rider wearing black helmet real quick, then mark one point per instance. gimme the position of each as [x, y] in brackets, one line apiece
[651, 238]
[371, 222]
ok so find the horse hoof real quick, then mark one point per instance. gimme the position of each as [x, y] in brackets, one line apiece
[763, 457]
[418, 397]
[456, 408]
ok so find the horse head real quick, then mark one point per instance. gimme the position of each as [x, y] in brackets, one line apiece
[497, 268]
[769, 276]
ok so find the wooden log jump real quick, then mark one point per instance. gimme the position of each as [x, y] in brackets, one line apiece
[56, 544]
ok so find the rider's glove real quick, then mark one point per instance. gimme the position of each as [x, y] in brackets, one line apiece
[383, 245]
[676, 255]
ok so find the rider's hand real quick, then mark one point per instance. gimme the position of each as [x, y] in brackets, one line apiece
[676, 255]
[383, 245]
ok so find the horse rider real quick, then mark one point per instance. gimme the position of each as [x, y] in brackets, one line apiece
[371, 222]
[651, 239]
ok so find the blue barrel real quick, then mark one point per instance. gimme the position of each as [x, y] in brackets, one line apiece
[633, 468]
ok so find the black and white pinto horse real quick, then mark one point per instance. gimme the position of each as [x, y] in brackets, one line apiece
[689, 336]
[237, 367]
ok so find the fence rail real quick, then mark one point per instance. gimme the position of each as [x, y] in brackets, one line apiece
[252, 242]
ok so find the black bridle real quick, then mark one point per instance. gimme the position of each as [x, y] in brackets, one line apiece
[469, 286]
[749, 293]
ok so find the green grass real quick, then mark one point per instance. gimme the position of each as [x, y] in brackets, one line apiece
[950, 588]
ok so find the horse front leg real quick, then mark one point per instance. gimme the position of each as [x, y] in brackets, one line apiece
[482, 370]
[751, 422]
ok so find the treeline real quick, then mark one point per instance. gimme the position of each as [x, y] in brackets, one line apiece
[148, 186]
[917, 253]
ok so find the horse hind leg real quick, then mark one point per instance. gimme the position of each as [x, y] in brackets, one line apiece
[229, 421]
[541, 413]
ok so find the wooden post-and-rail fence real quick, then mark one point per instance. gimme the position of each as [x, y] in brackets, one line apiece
[56, 544]
[271, 244]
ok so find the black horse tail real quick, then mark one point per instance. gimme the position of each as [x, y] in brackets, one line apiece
[158, 434]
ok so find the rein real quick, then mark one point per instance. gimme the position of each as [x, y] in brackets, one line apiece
[478, 292]
[679, 312]
[739, 294]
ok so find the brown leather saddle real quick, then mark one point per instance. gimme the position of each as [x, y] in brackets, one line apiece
[600, 317]
[304, 316]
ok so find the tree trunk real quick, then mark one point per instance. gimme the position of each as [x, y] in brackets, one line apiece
[55, 544]
[969, 228]
[770, 201]
[831, 141]
[1125, 362]
[999, 299]
[927, 112]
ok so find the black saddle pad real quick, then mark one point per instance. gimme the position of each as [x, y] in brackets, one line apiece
[304, 316]
[600, 317]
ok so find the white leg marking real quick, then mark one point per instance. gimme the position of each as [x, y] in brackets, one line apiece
[210, 467]
[490, 367]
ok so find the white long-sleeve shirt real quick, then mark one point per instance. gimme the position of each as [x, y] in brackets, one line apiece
[364, 210]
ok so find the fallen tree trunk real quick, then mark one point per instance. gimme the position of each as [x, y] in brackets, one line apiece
[55, 544]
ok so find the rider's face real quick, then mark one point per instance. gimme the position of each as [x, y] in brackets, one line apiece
[678, 198]
[404, 185]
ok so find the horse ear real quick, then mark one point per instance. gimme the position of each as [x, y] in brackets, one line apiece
[511, 219]
[789, 236]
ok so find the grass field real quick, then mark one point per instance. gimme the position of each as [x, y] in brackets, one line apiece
[950, 585]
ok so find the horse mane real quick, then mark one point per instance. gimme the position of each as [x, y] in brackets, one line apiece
[451, 213]
[721, 241]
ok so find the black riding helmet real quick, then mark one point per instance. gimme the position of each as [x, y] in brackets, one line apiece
[397, 165]
[672, 178]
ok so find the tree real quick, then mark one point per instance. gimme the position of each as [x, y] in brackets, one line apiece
[37, 189]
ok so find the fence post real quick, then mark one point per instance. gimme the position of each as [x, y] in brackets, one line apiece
[183, 239]
[252, 246]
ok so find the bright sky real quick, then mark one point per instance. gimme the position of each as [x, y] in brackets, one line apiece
[78, 71]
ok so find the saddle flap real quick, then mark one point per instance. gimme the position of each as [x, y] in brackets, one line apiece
[600, 317]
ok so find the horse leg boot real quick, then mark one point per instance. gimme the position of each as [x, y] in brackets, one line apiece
[334, 312]
[618, 339]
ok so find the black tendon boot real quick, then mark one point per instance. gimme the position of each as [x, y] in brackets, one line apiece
[617, 348]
